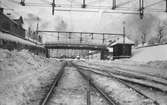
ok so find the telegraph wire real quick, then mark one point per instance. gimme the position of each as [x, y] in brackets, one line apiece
[84, 6]
[153, 4]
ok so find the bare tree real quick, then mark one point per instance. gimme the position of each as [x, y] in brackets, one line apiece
[62, 26]
[136, 42]
[153, 40]
[161, 33]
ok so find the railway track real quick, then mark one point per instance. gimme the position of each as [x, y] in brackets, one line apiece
[127, 83]
[152, 82]
[79, 88]
[54, 84]
[101, 91]
[129, 71]
[50, 97]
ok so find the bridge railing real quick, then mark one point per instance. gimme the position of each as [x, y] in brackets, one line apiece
[79, 37]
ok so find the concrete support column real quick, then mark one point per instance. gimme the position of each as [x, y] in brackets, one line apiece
[102, 55]
[47, 53]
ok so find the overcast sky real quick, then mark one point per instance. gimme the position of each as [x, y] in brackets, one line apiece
[84, 21]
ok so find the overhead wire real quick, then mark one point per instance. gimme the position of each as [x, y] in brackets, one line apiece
[6, 6]
[124, 3]
[74, 5]
[153, 4]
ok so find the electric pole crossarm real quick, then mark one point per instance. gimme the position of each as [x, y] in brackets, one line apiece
[153, 4]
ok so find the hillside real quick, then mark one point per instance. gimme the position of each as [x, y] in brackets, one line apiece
[150, 53]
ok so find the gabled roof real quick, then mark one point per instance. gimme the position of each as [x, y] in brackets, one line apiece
[19, 21]
[120, 41]
[110, 49]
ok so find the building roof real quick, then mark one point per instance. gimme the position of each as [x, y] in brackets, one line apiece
[120, 41]
[110, 49]
[19, 21]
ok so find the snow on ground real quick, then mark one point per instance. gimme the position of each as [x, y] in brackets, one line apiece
[122, 94]
[72, 90]
[7, 36]
[151, 60]
[136, 67]
[23, 77]
[13, 38]
[147, 54]
[141, 73]
[149, 63]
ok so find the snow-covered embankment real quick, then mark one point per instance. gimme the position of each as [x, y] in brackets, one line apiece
[24, 76]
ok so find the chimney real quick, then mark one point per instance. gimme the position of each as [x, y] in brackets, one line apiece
[1, 10]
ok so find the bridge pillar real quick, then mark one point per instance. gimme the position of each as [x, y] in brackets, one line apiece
[103, 55]
[47, 53]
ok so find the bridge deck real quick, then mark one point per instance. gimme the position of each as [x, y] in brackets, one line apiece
[75, 46]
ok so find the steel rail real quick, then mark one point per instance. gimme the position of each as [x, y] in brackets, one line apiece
[130, 75]
[123, 82]
[134, 82]
[101, 91]
[55, 83]
[109, 99]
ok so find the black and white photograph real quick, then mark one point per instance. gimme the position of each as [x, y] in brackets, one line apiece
[83, 52]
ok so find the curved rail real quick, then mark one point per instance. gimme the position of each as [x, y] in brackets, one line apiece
[128, 79]
[107, 74]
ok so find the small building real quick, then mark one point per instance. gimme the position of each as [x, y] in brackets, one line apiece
[122, 48]
[19, 21]
[11, 26]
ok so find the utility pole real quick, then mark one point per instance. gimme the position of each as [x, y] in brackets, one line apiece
[81, 38]
[103, 38]
[53, 7]
[124, 33]
[141, 8]
[114, 4]
[69, 37]
[84, 4]
[37, 25]
[58, 35]
[92, 36]
[166, 6]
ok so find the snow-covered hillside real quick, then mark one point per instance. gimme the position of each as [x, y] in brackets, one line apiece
[23, 76]
[147, 54]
